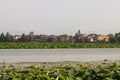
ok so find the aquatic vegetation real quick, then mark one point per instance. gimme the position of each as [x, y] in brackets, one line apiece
[47, 45]
[105, 71]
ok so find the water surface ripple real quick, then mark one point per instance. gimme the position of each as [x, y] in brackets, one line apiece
[54, 55]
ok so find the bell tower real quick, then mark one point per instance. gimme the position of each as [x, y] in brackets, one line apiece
[79, 32]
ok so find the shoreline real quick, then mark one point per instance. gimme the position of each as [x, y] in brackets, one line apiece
[61, 63]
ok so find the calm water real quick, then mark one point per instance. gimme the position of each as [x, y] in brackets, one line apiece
[54, 55]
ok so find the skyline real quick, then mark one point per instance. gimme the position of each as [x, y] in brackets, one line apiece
[77, 32]
[60, 16]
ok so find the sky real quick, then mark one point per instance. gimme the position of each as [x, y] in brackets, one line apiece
[60, 16]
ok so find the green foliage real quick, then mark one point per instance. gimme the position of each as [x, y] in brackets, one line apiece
[47, 45]
[107, 71]
[2, 37]
[77, 38]
[117, 36]
[8, 37]
[23, 38]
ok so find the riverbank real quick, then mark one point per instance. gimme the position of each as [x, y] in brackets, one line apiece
[61, 63]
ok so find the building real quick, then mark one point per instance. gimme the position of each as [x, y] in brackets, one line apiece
[92, 38]
[52, 38]
[71, 39]
[41, 38]
[16, 37]
[63, 38]
[103, 38]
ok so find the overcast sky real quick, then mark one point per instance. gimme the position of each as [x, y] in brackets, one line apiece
[60, 16]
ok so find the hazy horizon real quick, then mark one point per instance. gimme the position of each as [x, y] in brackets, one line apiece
[60, 16]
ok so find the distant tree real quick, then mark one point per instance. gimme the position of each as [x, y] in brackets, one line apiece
[8, 37]
[112, 38]
[2, 37]
[51, 39]
[82, 40]
[86, 40]
[117, 36]
[29, 38]
[79, 38]
[111, 35]
[118, 39]
[23, 38]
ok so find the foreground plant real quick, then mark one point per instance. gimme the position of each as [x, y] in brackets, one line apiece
[109, 71]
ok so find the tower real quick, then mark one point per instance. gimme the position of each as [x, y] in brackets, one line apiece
[78, 32]
[31, 33]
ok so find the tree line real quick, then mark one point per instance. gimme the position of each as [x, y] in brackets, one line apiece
[27, 38]
[114, 38]
[9, 38]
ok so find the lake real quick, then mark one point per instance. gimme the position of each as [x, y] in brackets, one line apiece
[54, 55]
